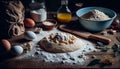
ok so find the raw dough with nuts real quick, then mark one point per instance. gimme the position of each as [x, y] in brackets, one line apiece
[60, 42]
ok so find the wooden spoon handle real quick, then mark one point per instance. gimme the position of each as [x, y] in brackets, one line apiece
[86, 35]
[100, 38]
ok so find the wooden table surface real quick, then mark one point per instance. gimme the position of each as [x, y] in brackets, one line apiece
[12, 63]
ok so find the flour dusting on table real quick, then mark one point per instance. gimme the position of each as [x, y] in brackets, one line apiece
[76, 57]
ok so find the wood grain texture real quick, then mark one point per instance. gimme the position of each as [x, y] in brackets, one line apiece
[10, 62]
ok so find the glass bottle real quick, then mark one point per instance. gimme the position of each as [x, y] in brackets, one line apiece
[38, 10]
[64, 13]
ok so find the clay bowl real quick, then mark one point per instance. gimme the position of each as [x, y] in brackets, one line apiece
[49, 24]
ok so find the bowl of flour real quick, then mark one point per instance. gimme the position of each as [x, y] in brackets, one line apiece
[95, 18]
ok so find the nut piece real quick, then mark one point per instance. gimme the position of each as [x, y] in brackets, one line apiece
[107, 61]
[62, 38]
[111, 31]
[93, 56]
[104, 33]
[27, 46]
[37, 30]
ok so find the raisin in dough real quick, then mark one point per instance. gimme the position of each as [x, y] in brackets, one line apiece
[60, 43]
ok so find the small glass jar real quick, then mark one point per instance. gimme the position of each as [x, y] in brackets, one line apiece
[38, 10]
[64, 14]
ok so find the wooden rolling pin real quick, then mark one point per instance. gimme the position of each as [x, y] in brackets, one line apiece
[86, 35]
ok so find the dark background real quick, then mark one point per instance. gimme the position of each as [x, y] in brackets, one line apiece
[53, 5]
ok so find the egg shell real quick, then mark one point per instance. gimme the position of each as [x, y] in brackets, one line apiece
[30, 35]
[16, 50]
[28, 22]
[6, 45]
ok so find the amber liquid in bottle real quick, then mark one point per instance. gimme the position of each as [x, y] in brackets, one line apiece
[63, 13]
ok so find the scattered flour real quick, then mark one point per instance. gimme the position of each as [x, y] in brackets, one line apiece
[96, 15]
[76, 57]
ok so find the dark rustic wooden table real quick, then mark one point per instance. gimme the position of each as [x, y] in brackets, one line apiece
[12, 63]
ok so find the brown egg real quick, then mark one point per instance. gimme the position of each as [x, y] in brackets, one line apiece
[28, 22]
[6, 44]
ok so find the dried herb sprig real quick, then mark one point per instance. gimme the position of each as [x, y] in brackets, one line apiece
[102, 62]
[94, 62]
[103, 49]
[116, 49]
